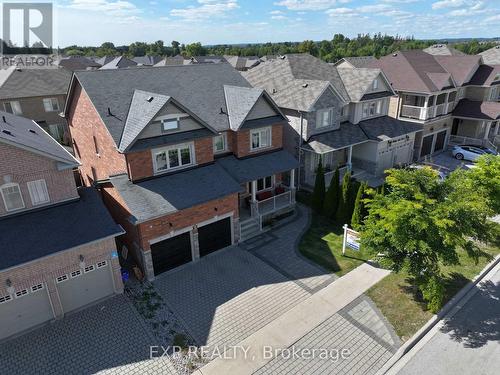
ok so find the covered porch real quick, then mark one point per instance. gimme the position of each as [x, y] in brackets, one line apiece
[420, 107]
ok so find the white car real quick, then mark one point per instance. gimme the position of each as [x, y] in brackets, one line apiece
[469, 152]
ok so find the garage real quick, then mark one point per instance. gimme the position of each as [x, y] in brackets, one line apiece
[25, 309]
[171, 253]
[215, 236]
[433, 143]
[81, 287]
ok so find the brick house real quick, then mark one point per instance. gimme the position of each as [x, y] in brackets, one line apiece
[57, 241]
[189, 159]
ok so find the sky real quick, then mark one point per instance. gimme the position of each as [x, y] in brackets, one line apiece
[92, 22]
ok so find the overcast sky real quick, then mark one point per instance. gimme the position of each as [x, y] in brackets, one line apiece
[91, 22]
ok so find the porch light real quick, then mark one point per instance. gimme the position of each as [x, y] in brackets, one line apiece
[82, 261]
[10, 288]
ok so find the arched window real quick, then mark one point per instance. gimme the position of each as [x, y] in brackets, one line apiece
[12, 197]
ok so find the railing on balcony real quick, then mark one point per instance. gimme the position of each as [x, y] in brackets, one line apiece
[274, 203]
[415, 112]
[440, 110]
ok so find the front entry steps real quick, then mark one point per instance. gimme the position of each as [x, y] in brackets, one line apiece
[249, 228]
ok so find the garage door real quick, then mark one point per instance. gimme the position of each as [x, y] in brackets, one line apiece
[214, 236]
[440, 139]
[171, 253]
[26, 309]
[426, 145]
[81, 287]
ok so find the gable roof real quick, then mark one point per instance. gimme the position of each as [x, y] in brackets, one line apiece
[104, 60]
[460, 67]
[477, 110]
[198, 87]
[146, 60]
[172, 60]
[491, 56]
[355, 61]
[443, 50]
[118, 63]
[25, 133]
[296, 81]
[358, 80]
[414, 70]
[25, 83]
[78, 63]
[486, 75]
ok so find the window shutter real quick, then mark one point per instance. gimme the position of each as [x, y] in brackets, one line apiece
[38, 192]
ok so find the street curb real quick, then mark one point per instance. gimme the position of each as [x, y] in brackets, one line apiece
[436, 318]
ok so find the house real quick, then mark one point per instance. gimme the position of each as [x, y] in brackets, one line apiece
[443, 50]
[441, 93]
[119, 62]
[338, 114]
[38, 94]
[189, 158]
[491, 56]
[172, 60]
[147, 60]
[58, 242]
[243, 63]
[353, 62]
[73, 63]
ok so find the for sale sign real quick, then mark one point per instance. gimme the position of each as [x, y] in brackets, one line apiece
[351, 239]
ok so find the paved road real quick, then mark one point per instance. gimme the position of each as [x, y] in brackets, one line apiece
[467, 342]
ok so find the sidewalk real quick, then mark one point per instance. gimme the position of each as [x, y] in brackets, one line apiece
[284, 331]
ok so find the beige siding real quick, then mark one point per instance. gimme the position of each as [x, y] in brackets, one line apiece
[261, 109]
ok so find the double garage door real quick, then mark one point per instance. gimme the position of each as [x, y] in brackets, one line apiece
[31, 307]
[433, 143]
[176, 251]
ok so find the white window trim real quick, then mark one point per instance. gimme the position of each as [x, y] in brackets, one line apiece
[11, 184]
[260, 131]
[331, 115]
[169, 120]
[76, 273]
[224, 140]
[21, 293]
[157, 151]
[379, 108]
[31, 186]
[12, 107]
[52, 100]
[6, 298]
[273, 181]
[61, 279]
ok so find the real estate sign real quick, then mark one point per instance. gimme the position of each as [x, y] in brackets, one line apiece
[351, 239]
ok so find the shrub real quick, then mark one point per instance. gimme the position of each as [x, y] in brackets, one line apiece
[318, 196]
[344, 211]
[332, 196]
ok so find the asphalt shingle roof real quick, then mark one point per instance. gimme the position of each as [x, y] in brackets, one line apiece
[119, 63]
[255, 167]
[26, 83]
[147, 60]
[460, 67]
[169, 139]
[357, 61]
[240, 101]
[348, 134]
[491, 56]
[26, 133]
[25, 237]
[357, 80]
[78, 63]
[486, 75]
[198, 87]
[385, 127]
[443, 50]
[174, 192]
[478, 110]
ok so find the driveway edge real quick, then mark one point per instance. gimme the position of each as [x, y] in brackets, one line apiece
[420, 334]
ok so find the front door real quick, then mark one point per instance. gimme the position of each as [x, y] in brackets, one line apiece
[440, 140]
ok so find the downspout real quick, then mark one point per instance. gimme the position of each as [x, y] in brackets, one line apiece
[301, 139]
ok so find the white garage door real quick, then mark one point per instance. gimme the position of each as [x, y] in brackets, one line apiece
[26, 309]
[81, 287]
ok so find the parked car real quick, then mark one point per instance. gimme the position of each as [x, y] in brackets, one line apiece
[471, 153]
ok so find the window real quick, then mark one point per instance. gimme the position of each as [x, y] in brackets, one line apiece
[51, 105]
[36, 288]
[175, 157]
[38, 192]
[220, 143]
[260, 138]
[62, 278]
[21, 293]
[89, 268]
[5, 298]
[12, 197]
[265, 183]
[170, 124]
[75, 274]
[375, 84]
[452, 97]
[324, 117]
[101, 264]
[13, 107]
[493, 94]
[372, 108]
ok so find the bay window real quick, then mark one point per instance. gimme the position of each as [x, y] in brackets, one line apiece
[372, 108]
[260, 138]
[12, 197]
[173, 157]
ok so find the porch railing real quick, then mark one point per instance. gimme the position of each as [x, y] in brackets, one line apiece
[274, 203]
[411, 111]
[460, 140]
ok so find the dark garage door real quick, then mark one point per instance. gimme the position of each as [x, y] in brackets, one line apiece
[171, 253]
[214, 236]
[427, 145]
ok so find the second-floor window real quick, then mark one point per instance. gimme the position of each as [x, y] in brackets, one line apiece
[12, 197]
[220, 143]
[324, 117]
[51, 104]
[494, 93]
[169, 124]
[173, 157]
[38, 192]
[260, 138]
[372, 108]
[13, 107]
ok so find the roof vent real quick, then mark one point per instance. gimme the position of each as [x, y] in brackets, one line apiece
[6, 132]
[109, 112]
[394, 54]
[32, 131]
[150, 99]
[283, 57]
[304, 85]
[275, 91]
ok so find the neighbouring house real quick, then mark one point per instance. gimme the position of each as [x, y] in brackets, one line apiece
[491, 56]
[354, 61]
[443, 50]
[189, 158]
[445, 95]
[118, 62]
[57, 242]
[147, 60]
[243, 63]
[38, 94]
[73, 63]
[338, 114]
[172, 60]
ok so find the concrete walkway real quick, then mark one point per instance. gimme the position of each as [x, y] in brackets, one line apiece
[287, 329]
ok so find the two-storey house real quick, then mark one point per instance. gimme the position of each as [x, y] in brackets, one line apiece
[57, 242]
[338, 114]
[38, 94]
[189, 158]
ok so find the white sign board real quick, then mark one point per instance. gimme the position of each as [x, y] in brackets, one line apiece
[351, 239]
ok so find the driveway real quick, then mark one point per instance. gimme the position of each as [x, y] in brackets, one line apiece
[447, 163]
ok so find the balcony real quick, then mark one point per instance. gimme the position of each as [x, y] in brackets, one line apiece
[271, 201]
[411, 111]
[418, 107]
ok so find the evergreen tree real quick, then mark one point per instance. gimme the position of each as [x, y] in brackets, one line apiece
[332, 196]
[343, 212]
[358, 215]
[318, 196]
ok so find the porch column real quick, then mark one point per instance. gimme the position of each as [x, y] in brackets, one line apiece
[292, 185]
[349, 158]
[254, 191]
[447, 98]
[424, 112]
[253, 203]
[487, 130]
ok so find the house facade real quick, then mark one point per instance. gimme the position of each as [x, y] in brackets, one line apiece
[446, 94]
[58, 242]
[38, 94]
[186, 169]
[338, 114]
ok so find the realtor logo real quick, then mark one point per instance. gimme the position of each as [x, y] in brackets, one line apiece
[27, 24]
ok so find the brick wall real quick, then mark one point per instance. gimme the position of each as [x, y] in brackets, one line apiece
[23, 166]
[186, 218]
[241, 141]
[85, 124]
[204, 150]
